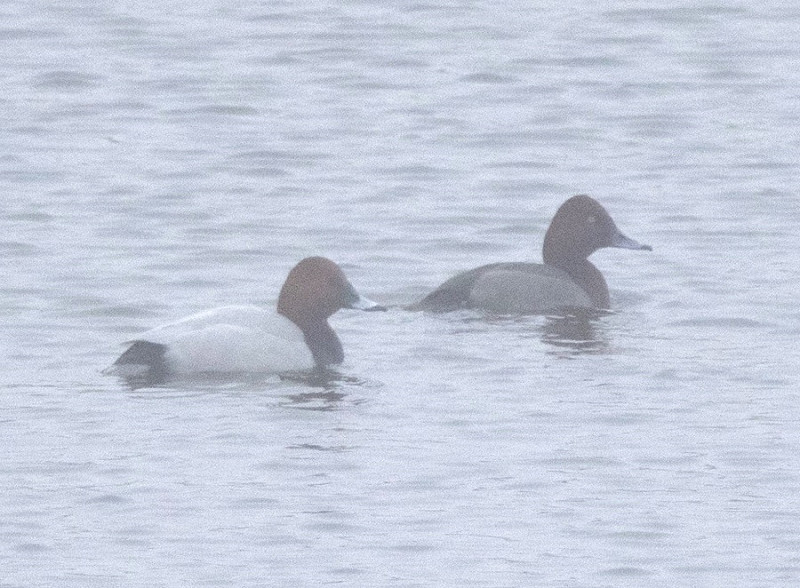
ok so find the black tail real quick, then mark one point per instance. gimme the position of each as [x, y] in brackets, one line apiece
[143, 364]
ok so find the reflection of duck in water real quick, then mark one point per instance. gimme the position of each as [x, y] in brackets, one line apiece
[320, 390]
[574, 334]
[566, 279]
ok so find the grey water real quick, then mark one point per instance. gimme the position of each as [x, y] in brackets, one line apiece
[157, 159]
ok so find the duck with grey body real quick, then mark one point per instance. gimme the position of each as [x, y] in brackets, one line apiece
[566, 279]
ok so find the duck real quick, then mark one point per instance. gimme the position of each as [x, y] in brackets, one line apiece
[294, 337]
[566, 279]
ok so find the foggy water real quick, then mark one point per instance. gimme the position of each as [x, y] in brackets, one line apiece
[160, 159]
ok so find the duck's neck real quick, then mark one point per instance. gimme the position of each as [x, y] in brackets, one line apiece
[586, 275]
[323, 343]
[318, 335]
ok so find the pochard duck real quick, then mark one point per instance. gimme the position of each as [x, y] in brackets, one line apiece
[566, 279]
[295, 337]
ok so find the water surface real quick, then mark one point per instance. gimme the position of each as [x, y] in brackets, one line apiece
[167, 159]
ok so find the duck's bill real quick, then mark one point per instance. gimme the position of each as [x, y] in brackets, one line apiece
[362, 303]
[623, 242]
